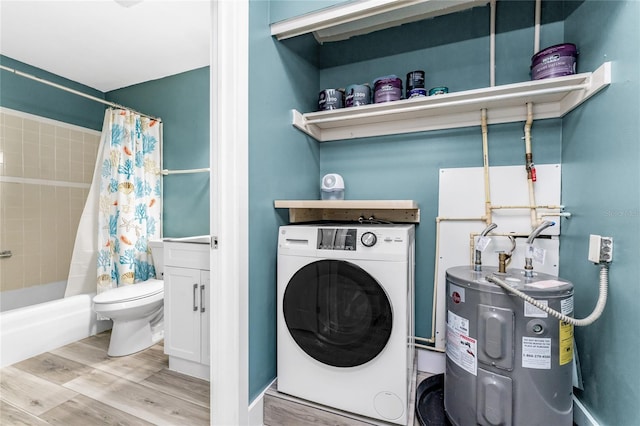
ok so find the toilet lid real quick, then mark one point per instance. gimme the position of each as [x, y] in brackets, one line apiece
[131, 292]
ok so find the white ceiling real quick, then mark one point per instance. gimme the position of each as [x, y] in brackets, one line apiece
[103, 44]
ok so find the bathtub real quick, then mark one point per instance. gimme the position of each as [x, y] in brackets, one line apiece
[32, 330]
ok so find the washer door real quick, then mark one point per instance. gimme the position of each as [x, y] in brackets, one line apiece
[337, 313]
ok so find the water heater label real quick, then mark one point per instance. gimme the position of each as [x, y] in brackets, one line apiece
[539, 254]
[566, 305]
[461, 349]
[531, 311]
[536, 352]
[566, 343]
[482, 243]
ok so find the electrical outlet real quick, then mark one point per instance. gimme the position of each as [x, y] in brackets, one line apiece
[600, 249]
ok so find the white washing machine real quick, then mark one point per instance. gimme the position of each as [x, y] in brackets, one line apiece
[345, 317]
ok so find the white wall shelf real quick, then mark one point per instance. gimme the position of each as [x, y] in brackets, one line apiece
[349, 19]
[399, 211]
[551, 98]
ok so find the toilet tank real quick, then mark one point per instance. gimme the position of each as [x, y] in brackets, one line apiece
[158, 257]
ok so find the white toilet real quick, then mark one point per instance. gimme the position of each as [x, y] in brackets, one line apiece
[136, 310]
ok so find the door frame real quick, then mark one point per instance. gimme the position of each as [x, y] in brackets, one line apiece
[229, 183]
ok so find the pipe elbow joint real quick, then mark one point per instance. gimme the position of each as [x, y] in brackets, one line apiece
[544, 225]
[488, 229]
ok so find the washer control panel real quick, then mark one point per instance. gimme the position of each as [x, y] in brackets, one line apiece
[349, 239]
[337, 238]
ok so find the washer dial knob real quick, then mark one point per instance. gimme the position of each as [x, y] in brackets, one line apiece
[369, 239]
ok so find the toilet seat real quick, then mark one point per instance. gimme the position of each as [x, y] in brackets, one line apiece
[130, 292]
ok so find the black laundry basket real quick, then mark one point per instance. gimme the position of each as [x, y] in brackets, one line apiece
[430, 402]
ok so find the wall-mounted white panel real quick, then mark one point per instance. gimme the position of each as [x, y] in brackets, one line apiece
[462, 194]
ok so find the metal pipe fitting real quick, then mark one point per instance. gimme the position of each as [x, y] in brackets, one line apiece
[502, 262]
[528, 260]
[477, 264]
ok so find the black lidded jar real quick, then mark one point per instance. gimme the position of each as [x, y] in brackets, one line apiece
[415, 84]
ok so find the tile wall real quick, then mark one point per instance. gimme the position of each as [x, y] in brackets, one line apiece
[46, 168]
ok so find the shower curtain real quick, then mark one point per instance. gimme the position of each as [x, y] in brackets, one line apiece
[129, 200]
[120, 209]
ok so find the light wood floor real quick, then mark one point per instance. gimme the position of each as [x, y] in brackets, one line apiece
[79, 384]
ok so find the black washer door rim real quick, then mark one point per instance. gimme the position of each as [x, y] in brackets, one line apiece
[337, 313]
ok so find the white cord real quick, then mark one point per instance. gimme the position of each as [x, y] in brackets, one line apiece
[597, 311]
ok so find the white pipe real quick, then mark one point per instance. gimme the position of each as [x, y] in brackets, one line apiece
[548, 207]
[485, 162]
[492, 45]
[531, 170]
[434, 302]
[463, 219]
[340, 113]
[563, 214]
[429, 348]
[536, 37]
[532, 200]
[597, 311]
[422, 339]
[527, 128]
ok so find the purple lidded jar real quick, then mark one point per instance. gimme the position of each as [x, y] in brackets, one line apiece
[387, 89]
[554, 61]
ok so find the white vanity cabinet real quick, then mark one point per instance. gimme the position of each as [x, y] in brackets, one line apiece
[186, 310]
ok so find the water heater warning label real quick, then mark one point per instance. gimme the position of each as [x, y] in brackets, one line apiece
[461, 349]
[536, 353]
[566, 342]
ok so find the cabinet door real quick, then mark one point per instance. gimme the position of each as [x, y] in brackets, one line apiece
[182, 313]
[204, 319]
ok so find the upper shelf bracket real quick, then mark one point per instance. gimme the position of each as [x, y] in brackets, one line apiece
[353, 18]
[551, 98]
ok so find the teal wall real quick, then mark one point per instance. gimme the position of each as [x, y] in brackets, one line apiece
[33, 97]
[283, 164]
[182, 101]
[453, 51]
[601, 187]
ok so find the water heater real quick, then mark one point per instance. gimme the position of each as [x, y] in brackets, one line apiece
[508, 362]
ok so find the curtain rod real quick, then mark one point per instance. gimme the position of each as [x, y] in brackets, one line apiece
[75, 92]
[166, 172]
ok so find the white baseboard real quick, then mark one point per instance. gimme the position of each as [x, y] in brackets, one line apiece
[431, 361]
[256, 408]
[581, 416]
[190, 368]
